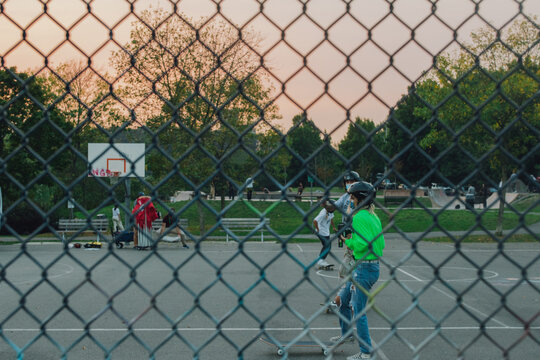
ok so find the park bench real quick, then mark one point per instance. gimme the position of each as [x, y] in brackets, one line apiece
[99, 226]
[76, 225]
[156, 224]
[397, 197]
[245, 224]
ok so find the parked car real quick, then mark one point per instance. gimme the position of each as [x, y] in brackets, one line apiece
[381, 182]
[387, 184]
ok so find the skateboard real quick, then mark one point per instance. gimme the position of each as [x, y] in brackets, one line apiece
[326, 349]
[327, 267]
[329, 309]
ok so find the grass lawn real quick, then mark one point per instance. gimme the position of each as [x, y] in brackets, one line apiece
[296, 217]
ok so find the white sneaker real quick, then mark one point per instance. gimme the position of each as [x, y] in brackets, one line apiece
[340, 339]
[359, 356]
[320, 262]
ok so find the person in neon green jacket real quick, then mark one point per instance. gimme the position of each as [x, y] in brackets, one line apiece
[367, 241]
[367, 244]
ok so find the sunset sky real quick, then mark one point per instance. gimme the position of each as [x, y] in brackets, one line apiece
[347, 35]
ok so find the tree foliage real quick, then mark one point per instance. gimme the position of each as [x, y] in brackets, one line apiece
[362, 146]
[32, 138]
[304, 138]
[199, 90]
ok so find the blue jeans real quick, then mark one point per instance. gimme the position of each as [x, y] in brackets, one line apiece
[366, 274]
[326, 246]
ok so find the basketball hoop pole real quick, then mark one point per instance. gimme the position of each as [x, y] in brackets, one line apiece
[127, 214]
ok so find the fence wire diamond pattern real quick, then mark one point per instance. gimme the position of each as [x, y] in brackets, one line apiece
[248, 117]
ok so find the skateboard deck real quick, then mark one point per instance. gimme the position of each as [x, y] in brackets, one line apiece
[280, 348]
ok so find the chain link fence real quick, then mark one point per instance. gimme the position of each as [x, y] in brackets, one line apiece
[246, 116]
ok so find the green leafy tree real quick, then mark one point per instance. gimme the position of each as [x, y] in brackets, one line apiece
[362, 146]
[33, 135]
[404, 129]
[304, 138]
[487, 101]
[199, 89]
[276, 157]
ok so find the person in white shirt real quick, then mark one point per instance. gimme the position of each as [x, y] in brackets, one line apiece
[117, 222]
[249, 187]
[322, 223]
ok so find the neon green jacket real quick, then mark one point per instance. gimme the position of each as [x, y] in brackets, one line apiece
[367, 229]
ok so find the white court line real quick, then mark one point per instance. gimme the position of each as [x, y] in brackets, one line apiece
[452, 297]
[376, 328]
[69, 271]
[422, 251]
[492, 276]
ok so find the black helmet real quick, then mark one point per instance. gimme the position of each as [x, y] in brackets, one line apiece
[351, 176]
[363, 191]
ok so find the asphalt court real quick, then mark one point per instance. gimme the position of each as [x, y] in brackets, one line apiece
[168, 304]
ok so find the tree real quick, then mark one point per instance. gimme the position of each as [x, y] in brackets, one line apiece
[32, 136]
[488, 96]
[304, 138]
[195, 72]
[200, 90]
[363, 145]
[81, 94]
[405, 128]
[271, 148]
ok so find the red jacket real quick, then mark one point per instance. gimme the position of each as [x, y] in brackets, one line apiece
[145, 212]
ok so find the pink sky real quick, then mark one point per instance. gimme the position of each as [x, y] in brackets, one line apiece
[327, 59]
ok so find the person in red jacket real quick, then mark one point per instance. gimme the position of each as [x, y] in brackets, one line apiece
[145, 213]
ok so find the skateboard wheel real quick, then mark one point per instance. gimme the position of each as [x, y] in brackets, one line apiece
[119, 245]
[280, 352]
[325, 352]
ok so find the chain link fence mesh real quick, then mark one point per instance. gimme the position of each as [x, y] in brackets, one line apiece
[436, 103]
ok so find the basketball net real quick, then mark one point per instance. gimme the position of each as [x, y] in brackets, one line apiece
[114, 177]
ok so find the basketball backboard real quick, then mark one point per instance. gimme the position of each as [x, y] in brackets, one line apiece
[118, 159]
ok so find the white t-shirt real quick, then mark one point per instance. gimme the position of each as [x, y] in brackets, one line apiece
[324, 220]
[116, 214]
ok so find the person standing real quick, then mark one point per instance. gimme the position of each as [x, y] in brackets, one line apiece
[232, 191]
[249, 187]
[300, 191]
[212, 190]
[469, 197]
[484, 194]
[322, 223]
[343, 299]
[367, 244]
[145, 213]
[117, 221]
[169, 221]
